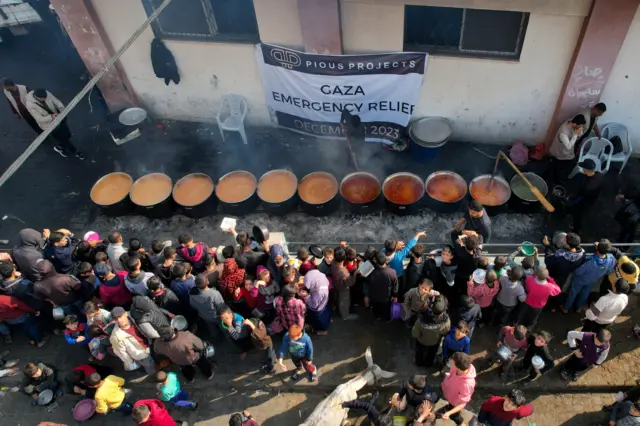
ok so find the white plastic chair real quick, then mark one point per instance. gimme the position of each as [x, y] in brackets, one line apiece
[233, 109]
[597, 149]
[611, 130]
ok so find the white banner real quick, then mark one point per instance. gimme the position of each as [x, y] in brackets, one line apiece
[307, 92]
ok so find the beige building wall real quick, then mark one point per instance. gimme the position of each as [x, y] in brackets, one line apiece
[622, 92]
[208, 70]
[487, 100]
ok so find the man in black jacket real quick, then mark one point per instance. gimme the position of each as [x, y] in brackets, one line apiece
[585, 188]
[563, 261]
[383, 287]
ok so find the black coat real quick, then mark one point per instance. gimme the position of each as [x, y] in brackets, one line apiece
[164, 64]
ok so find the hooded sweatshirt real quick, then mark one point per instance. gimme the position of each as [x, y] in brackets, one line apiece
[148, 317]
[430, 333]
[21, 289]
[562, 263]
[27, 253]
[457, 389]
[138, 284]
[395, 260]
[61, 289]
[158, 416]
[184, 349]
[593, 270]
[207, 303]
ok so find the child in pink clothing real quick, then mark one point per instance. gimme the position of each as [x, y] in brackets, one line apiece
[483, 287]
[458, 387]
[539, 287]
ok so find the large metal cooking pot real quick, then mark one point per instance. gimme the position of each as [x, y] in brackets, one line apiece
[522, 198]
[117, 183]
[403, 193]
[162, 206]
[361, 191]
[501, 192]
[289, 201]
[324, 204]
[445, 191]
[203, 205]
[244, 205]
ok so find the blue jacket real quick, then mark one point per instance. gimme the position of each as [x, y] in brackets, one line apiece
[61, 256]
[451, 345]
[395, 262]
[301, 348]
[71, 336]
[593, 270]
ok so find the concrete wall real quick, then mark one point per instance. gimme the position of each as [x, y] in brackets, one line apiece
[622, 92]
[487, 100]
[208, 69]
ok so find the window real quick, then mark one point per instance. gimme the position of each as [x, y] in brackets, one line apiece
[464, 32]
[205, 20]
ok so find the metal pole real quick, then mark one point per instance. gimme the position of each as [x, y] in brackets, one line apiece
[38, 141]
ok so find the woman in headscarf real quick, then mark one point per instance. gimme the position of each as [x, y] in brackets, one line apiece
[28, 251]
[289, 311]
[316, 295]
[231, 282]
[277, 259]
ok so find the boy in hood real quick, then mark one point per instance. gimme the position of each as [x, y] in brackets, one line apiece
[60, 290]
[136, 280]
[151, 412]
[458, 387]
[28, 251]
[563, 261]
[59, 250]
[589, 274]
[397, 251]
[192, 252]
[429, 331]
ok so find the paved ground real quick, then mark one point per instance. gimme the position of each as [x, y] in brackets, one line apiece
[49, 191]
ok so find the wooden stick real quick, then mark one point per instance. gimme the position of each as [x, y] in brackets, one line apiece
[495, 170]
[535, 191]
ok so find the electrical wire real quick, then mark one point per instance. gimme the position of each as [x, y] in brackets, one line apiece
[60, 117]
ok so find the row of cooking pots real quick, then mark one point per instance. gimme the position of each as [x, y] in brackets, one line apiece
[318, 193]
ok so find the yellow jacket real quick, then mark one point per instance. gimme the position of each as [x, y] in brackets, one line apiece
[631, 278]
[110, 394]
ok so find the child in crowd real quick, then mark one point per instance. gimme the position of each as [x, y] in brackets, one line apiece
[483, 263]
[136, 280]
[418, 300]
[413, 393]
[468, 311]
[429, 331]
[528, 262]
[351, 261]
[113, 291]
[151, 412]
[165, 269]
[99, 344]
[96, 315]
[169, 390]
[298, 344]
[74, 380]
[456, 341]
[499, 266]
[502, 411]
[156, 255]
[515, 339]
[539, 287]
[458, 387]
[109, 394]
[75, 332]
[327, 260]
[511, 292]
[262, 341]
[537, 346]
[250, 293]
[192, 253]
[232, 325]
[269, 289]
[164, 297]
[592, 349]
[306, 261]
[483, 287]
[39, 377]
[242, 419]
[182, 282]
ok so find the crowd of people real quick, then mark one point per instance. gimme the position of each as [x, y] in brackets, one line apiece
[170, 304]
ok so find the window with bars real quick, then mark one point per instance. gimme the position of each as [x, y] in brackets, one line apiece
[465, 32]
[205, 20]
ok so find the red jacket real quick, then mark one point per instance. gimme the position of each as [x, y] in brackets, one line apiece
[118, 295]
[538, 294]
[159, 415]
[12, 308]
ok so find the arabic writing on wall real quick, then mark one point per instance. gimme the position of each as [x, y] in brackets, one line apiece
[586, 85]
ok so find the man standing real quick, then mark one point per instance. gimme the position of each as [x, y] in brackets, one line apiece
[44, 107]
[591, 116]
[129, 344]
[562, 148]
[17, 96]
[585, 188]
[476, 221]
[343, 280]
[383, 288]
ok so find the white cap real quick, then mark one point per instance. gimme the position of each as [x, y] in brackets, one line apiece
[479, 276]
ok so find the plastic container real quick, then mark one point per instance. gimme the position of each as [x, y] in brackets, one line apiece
[527, 248]
[427, 136]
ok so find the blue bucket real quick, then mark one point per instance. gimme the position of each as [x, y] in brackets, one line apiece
[427, 136]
